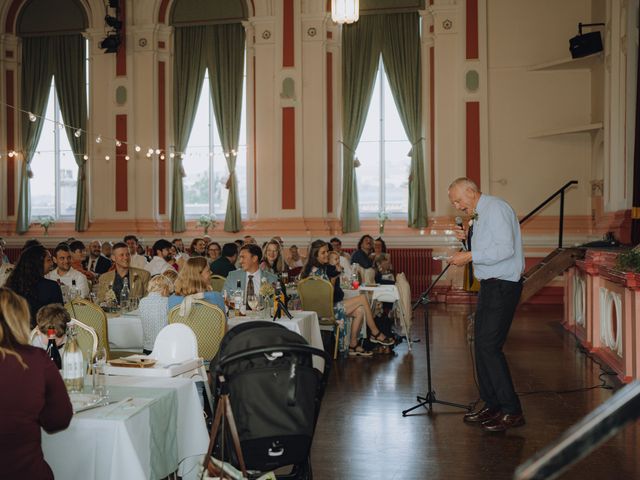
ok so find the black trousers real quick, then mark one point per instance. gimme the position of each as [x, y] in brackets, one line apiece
[497, 304]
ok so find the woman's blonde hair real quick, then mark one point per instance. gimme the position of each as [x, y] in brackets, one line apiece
[53, 316]
[14, 324]
[190, 279]
[160, 284]
[171, 274]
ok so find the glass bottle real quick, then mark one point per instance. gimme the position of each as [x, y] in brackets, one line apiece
[124, 295]
[73, 363]
[52, 348]
[238, 297]
[73, 291]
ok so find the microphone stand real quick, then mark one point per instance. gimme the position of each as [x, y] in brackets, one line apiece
[430, 398]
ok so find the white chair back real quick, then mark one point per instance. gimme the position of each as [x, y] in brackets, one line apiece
[174, 344]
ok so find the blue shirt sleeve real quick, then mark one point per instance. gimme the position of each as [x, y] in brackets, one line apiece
[498, 223]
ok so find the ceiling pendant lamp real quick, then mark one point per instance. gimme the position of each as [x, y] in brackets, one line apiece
[345, 11]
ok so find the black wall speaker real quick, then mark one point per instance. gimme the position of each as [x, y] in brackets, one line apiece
[585, 44]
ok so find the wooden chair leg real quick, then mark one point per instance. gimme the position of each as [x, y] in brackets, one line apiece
[336, 341]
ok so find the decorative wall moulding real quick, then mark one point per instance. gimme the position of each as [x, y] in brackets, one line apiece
[266, 35]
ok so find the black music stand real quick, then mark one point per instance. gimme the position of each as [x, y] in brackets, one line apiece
[430, 398]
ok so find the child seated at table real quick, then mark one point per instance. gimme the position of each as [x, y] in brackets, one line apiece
[53, 316]
[153, 310]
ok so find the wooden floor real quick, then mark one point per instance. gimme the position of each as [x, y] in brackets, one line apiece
[361, 433]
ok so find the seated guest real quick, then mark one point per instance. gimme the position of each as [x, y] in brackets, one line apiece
[357, 307]
[194, 282]
[142, 251]
[295, 261]
[213, 251]
[137, 278]
[153, 310]
[180, 253]
[250, 276]
[37, 400]
[5, 266]
[247, 239]
[172, 275]
[78, 257]
[336, 244]
[27, 280]
[226, 263]
[161, 258]
[96, 262]
[106, 250]
[56, 318]
[273, 261]
[384, 269]
[362, 256]
[197, 248]
[65, 274]
[379, 247]
[137, 260]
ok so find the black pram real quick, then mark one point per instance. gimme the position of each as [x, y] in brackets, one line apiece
[275, 395]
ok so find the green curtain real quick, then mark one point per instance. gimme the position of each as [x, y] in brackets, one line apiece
[68, 55]
[225, 62]
[401, 57]
[188, 71]
[36, 80]
[361, 44]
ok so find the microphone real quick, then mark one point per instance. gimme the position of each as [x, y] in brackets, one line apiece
[458, 221]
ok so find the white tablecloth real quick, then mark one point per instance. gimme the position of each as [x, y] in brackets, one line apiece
[125, 332]
[303, 322]
[161, 430]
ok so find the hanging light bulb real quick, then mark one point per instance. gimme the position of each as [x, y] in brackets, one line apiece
[150, 151]
[148, 154]
[118, 143]
[12, 153]
[99, 139]
[32, 117]
[77, 133]
[137, 148]
[162, 157]
[158, 151]
[172, 155]
[127, 158]
[107, 158]
[345, 11]
[86, 157]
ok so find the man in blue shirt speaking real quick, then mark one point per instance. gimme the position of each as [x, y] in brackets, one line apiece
[495, 249]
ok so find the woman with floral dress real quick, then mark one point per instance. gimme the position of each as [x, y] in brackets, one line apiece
[356, 307]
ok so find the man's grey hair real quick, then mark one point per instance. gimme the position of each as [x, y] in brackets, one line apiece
[464, 181]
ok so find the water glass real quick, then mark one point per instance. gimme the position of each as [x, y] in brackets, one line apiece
[98, 364]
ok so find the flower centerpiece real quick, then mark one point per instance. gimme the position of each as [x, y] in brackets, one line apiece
[267, 291]
[207, 222]
[45, 222]
[382, 218]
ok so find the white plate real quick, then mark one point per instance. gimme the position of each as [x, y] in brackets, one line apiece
[80, 401]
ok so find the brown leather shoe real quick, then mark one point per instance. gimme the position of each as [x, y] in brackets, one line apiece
[504, 422]
[482, 415]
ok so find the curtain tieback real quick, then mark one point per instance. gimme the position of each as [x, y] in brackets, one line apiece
[356, 162]
[410, 153]
[29, 171]
[229, 181]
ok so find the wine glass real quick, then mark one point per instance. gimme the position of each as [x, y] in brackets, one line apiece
[252, 301]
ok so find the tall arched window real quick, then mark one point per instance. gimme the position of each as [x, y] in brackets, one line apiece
[205, 164]
[53, 103]
[382, 152]
[209, 171]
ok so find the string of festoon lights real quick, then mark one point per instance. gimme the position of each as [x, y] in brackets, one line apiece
[103, 140]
